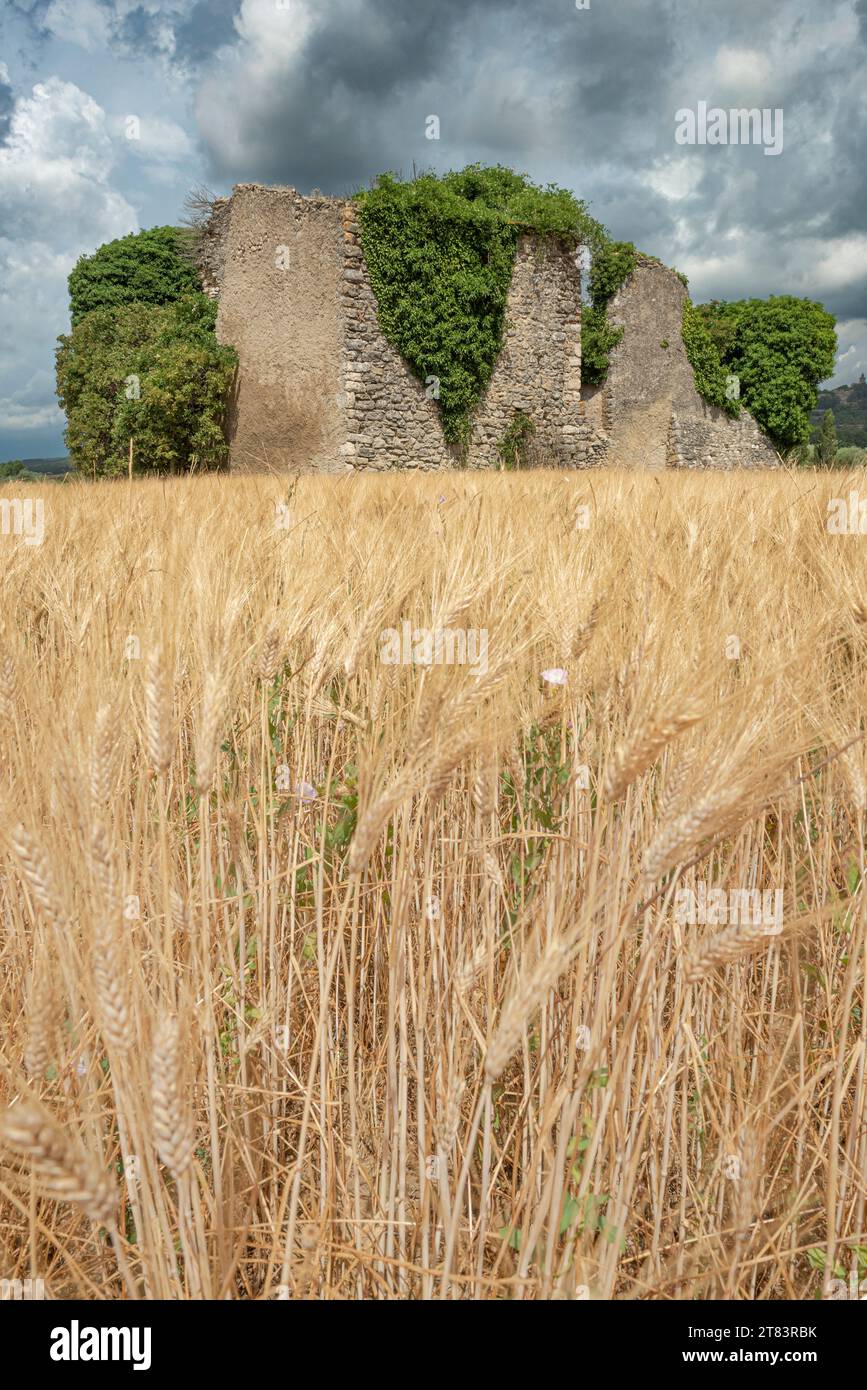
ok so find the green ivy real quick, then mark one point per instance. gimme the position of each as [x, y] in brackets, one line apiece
[612, 265]
[711, 377]
[513, 448]
[440, 253]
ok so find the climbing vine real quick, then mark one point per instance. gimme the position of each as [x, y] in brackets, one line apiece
[613, 263]
[440, 253]
[711, 377]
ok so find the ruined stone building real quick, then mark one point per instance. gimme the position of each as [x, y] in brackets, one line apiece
[320, 388]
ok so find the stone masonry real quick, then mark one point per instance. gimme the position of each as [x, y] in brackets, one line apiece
[319, 388]
[538, 372]
[648, 405]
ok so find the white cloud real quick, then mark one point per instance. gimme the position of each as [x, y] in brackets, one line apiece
[852, 353]
[839, 262]
[674, 178]
[83, 22]
[33, 406]
[151, 137]
[56, 203]
[743, 70]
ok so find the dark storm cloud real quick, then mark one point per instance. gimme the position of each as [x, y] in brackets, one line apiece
[507, 80]
[208, 26]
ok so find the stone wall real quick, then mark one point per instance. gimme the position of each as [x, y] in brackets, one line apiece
[319, 388]
[538, 371]
[648, 406]
[211, 249]
[391, 421]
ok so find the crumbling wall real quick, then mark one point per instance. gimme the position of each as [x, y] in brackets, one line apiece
[211, 249]
[280, 308]
[391, 420]
[320, 388]
[649, 405]
[538, 371]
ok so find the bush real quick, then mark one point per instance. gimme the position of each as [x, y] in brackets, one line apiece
[15, 469]
[825, 445]
[152, 373]
[711, 377]
[780, 348]
[514, 447]
[851, 456]
[143, 268]
[440, 254]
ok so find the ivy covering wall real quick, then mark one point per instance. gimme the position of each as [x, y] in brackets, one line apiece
[440, 253]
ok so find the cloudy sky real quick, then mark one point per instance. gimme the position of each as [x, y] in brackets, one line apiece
[110, 110]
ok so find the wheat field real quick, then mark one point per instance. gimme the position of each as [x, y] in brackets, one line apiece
[330, 976]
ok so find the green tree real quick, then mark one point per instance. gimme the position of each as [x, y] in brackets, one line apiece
[143, 268]
[780, 349]
[825, 443]
[153, 373]
[15, 469]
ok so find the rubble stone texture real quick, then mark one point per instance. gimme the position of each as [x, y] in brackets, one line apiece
[319, 388]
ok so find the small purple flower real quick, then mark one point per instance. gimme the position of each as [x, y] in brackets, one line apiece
[305, 791]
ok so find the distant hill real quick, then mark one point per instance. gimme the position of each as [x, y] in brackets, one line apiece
[53, 467]
[849, 404]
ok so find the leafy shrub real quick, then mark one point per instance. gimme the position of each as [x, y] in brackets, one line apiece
[16, 469]
[780, 348]
[710, 375]
[826, 447]
[515, 444]
[851, 456]
[440, 254]
[143, 268]
[153, 373]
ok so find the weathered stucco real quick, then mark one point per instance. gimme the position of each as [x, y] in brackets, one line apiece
[280, 308]
[649, 406]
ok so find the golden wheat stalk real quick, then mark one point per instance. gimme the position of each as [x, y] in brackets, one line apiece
[526, 998]
[111, 984]
[636, 753]
[726, 946]
[103, 752]
[208, 732]
[36, 868]
[40, 1012]
[174, 1134]
[158, 712]
[105, 869]
[10, 690]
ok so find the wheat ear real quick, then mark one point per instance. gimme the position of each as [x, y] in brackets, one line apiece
[61, 1167]
[172, 1118]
